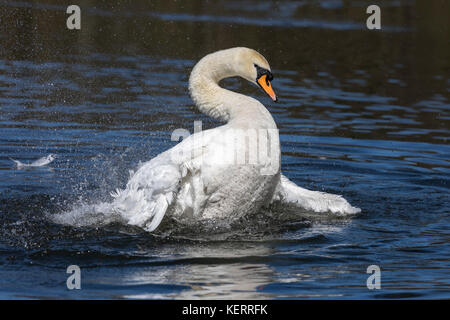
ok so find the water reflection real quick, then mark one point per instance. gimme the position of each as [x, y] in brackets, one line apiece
[216, 272]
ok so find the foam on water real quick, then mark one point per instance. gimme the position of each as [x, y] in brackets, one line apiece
[276, 219]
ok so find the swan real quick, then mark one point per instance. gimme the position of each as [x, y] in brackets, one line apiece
[200, 177]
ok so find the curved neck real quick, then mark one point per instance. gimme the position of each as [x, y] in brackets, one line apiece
[217, 102]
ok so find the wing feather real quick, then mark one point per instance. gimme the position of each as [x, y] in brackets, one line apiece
[154, 187]
[291, 194]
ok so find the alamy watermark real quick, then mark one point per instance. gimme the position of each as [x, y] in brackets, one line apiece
[374, 20]
[232, 146]
[374, 281]
[73, 22]
[74, 280]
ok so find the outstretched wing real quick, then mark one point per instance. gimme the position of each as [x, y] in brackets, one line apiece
[289, 193]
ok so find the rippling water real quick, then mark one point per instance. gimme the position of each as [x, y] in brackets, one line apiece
[364, 114]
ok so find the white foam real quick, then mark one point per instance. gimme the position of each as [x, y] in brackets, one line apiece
[84, 215]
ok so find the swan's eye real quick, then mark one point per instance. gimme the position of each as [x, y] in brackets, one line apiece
[261, 71]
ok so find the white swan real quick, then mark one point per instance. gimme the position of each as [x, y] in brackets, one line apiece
[200, 177]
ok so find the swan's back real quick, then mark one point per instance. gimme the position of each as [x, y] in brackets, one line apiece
[197, 179]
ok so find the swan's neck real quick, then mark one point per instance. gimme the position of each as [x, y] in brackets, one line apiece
[220, 103]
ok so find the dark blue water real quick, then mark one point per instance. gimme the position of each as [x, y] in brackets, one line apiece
[365, 114]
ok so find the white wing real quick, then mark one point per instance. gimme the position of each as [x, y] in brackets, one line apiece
[156, 184]
[148, 194]
[289, 193]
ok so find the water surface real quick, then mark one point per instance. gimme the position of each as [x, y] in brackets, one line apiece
[362, 113]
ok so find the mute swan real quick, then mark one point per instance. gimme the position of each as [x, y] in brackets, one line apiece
[193, 180]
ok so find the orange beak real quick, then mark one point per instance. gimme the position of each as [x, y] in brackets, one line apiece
[264, 83]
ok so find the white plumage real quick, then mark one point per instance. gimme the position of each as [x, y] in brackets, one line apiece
[200, 177]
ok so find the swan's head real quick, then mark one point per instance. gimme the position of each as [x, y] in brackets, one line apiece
[252, 66]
